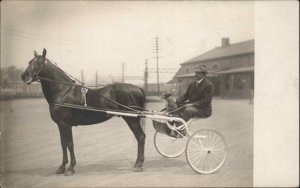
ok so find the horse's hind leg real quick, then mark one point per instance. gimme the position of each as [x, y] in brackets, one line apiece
[135, 126]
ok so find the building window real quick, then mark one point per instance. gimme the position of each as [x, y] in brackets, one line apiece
[226, 82]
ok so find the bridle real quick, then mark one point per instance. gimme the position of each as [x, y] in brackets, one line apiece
[36, 76]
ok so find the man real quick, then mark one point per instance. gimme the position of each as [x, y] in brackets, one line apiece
[197, 99]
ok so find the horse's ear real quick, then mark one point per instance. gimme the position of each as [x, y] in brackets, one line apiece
[44, 53]
[35, 54]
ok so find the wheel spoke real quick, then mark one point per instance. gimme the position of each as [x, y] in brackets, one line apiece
[218, 158]
[213, 139]
[195, 158]
[212, 161]
[215, 162]
[197, 148]
[204, 164]
[217, 145]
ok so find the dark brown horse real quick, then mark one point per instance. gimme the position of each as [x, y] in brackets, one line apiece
[59, 88]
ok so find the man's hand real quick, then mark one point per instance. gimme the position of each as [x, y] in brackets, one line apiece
[188, 105]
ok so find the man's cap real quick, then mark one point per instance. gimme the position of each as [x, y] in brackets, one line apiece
[201, 69]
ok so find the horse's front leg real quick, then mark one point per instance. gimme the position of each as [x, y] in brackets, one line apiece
[70, 144]
[67, 142]
[62, 167]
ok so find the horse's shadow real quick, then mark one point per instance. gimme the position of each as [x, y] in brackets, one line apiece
[109, 167]
[126, 166]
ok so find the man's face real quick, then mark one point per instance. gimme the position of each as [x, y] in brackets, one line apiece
[199, 76]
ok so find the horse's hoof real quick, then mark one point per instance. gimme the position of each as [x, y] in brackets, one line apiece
[138, 169]
[69, 172]
[60, 171]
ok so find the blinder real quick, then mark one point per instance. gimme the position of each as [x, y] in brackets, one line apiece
[35, 75]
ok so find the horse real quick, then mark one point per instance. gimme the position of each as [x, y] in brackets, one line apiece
[59, 88]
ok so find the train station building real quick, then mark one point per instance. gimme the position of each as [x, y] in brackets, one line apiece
[230, 69]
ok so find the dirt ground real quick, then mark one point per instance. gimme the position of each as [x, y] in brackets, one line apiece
[106, 152]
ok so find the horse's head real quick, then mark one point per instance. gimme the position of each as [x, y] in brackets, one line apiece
[34, 68]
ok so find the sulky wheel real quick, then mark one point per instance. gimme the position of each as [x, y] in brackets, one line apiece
[206, 151]
[168, 146]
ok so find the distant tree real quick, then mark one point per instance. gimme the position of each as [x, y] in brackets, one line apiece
[10, 74]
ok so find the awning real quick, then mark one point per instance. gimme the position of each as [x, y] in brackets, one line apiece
[172, 81]
[193, 75]
[237, 70]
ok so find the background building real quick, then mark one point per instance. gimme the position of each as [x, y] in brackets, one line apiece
[230, 68]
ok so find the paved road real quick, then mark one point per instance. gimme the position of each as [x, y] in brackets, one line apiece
[106, 152]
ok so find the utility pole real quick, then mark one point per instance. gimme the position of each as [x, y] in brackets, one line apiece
[156, 50]
[146, 76]
[82, 78]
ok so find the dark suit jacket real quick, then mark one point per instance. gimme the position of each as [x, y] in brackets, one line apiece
[200, 96]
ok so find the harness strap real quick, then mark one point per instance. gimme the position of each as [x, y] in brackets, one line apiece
[84, 91]
[39, 78]
[76, 85]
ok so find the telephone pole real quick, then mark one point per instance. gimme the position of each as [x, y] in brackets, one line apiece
[82, 77]
[146, 76]
[156, 50]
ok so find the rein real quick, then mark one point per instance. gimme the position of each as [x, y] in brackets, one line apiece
[177, 109]
[39, 78]
[90, 108]
[76, 85]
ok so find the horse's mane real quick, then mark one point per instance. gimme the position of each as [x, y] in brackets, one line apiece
[61, 72]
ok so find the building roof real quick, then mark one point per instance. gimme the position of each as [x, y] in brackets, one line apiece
[240, 48]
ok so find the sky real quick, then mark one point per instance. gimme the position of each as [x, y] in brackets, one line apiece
[102, 36]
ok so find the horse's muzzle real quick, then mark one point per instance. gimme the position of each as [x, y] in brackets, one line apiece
[27, 79]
